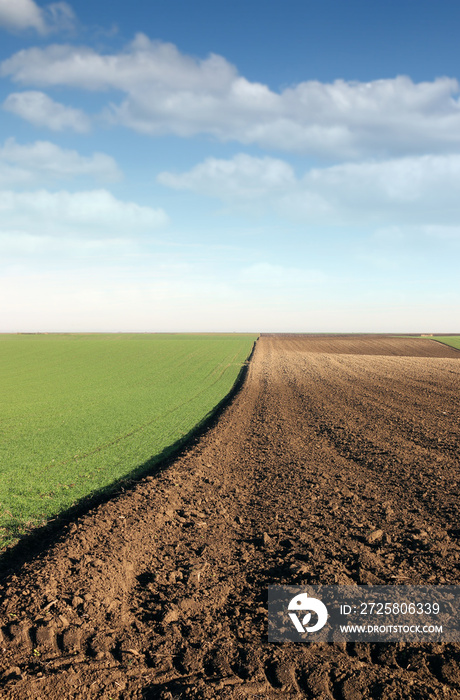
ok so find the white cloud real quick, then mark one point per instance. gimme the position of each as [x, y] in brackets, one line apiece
[40, 110]
[406, 190]
[19, 15]
[59, 16]
[420, 189]
[166, 91]
[91, 214]
[241, 177]
[42, 160]
[143, 63]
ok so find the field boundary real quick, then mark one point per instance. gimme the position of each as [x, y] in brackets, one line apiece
[41, 538]
[446, 344]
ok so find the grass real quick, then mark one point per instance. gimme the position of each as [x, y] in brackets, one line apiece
[452, 340]
[80, 412]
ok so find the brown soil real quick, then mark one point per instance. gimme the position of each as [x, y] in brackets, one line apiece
[161, 592]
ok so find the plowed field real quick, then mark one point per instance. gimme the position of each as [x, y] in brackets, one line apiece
[161, 592]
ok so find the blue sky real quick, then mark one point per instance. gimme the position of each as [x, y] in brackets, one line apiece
[245, 166]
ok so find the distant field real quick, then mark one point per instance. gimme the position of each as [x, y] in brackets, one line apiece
[452, 340]
[79, 412]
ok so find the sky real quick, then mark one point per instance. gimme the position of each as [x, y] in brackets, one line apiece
[206, 166]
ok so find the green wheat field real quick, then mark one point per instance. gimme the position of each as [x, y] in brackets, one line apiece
[78, 413]
[452, 340]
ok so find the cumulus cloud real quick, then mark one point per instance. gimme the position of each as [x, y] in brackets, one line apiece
[421, 189]
[90, 214]
[40, 110]
[19, 15]
[165, 91]
[143, 63]
[42, 160]
[411, 189]
[241, 177]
